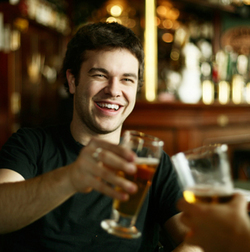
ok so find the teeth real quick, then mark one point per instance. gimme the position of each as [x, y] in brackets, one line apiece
[110, 106]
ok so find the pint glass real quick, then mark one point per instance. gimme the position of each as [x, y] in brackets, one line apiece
[124, 213]
[204, 174]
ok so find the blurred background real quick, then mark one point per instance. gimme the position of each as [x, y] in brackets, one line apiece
[197, 82]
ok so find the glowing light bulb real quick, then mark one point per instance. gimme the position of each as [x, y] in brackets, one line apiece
[116, 10]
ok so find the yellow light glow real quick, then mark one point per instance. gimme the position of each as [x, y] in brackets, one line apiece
[15, 40]
[247, 2]
[150, 51]
[173, 14]
[15, 102]
[21, 24]
[176, 25]
[111, 19]
[248, 93]
[237, 89]
[116, 10]
[189, 196]
[168, 24]
[161, 10]
[158, 21]
[207, 92]
[224, 92]
[13, 2]
[175, 54]
[131, 23]
[167, 37]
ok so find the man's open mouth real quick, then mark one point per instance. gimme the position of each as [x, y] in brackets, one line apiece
[109, 106]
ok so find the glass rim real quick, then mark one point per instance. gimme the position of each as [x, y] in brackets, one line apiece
[205, 149]
[146, 136]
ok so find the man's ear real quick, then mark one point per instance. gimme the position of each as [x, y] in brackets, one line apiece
[71, 81]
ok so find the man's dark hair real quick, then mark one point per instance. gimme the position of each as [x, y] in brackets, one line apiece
[101, 36]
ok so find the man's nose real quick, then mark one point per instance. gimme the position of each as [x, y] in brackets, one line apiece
[113, 87]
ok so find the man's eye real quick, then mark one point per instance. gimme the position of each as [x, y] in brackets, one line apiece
[128, 80]
[99, 75]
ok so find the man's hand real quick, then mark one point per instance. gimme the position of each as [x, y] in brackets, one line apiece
[25, 201]
[97, 167]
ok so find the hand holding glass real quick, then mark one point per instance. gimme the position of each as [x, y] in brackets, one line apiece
[204, 174]
[124, 213]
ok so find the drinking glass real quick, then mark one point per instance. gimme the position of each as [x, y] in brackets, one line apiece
[124, 213]
[204, 173]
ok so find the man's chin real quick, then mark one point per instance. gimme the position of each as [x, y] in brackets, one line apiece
[106, 130]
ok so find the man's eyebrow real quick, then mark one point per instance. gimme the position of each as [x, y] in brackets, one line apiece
[130, 75]
[103, 70]
[96, 69]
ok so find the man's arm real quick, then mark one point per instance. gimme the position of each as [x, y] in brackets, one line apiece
[24, 201]
[177, 231]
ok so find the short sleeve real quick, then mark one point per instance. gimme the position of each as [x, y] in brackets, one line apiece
[20, 152]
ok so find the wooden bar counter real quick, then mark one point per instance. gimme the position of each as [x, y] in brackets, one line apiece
[186, 126]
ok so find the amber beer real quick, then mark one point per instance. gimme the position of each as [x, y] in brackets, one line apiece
[210, 195]
[146, 168]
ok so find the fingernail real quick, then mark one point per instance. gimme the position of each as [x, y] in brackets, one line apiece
[131, 167]
[124, 197]
[132, 188]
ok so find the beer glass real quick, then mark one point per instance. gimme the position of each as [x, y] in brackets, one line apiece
[204, 173]
[124, 213]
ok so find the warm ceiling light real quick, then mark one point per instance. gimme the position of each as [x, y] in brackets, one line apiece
[116, 10]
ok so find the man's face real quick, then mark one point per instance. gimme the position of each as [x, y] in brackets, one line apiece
[106, 92]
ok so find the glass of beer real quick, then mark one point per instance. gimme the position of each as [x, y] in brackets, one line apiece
[205, 175]
[124, 213]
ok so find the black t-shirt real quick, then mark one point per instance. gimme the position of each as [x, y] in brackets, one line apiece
[75, 224]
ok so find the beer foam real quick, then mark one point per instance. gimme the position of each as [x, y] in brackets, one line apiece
[209, 190]
[145, 160]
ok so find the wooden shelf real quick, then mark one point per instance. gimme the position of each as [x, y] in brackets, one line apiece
[186, 126]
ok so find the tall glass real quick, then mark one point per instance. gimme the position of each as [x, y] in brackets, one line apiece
[204, 174]
[124, 213]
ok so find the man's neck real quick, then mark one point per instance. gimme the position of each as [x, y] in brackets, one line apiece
[82, 134]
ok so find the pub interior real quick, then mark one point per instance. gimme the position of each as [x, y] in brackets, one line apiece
[197, 69]
[197, 81]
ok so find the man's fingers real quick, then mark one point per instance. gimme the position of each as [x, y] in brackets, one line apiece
[119, 150]
[98, 167]
[239, 201]
[107, 189]
[113, 178]
[115, 162]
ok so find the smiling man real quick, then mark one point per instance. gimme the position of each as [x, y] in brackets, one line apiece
[57, 183]
[106, 92]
